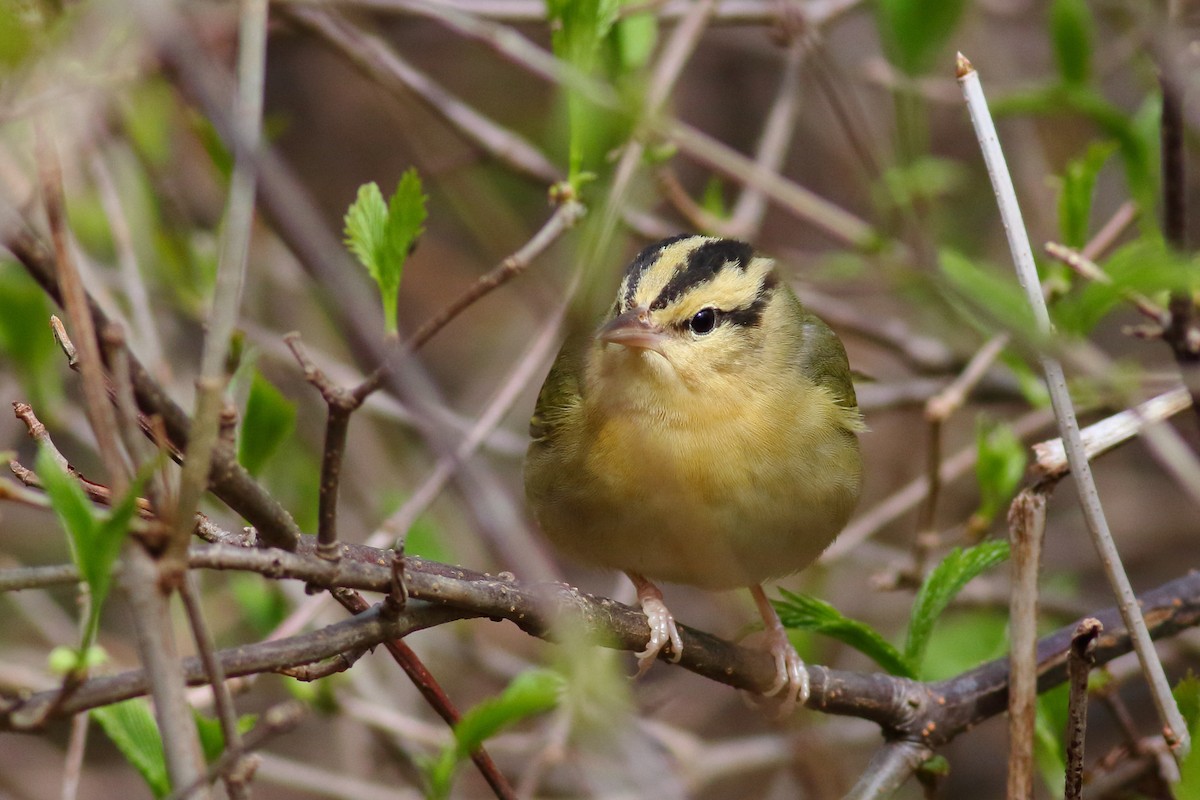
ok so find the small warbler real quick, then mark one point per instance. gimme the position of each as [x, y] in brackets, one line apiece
[704, 435]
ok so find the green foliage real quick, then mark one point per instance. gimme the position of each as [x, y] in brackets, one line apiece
[915, 32]
[634, 37]
[267, 423]
[381, 235]
[1048, 733]
[963, 640]
[1075, 197]
[212, 738]
[1146, 266]
[261, 604]
[924, 180]
[985, 298]
[530, 693]
[713, 199]
[578, 27]
[64, 660]
[425, 539]
[1071, 31]
[1187, 695]
[942, 585]
[999, 469]
[808, 613]
[25, 339]
[132, 728]
[1029, 380]
[95, 538]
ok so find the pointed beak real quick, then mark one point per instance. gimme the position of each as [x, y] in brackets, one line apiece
[634, 329]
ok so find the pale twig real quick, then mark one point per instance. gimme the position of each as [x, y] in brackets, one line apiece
[1100, 437]
[73, 763]
[96, 405]
[379, 62]
[891, 765]
[1175, 729]
[231, 277]
[1079, 663]
[303, 776]
[1026, 532]
[206, 648]
[1084, 266]
[746, 218]
[908, 496]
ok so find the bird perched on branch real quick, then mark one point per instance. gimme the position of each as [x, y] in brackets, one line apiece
[704, 435]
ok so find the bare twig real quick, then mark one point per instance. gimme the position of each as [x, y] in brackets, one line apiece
[1079, 664]
[73, 764]
[890, 767]
[1027, 529]
[1174, 728]
[433, 693]
[1084, 266]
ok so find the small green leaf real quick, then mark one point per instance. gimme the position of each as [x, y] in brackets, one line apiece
[132, 728]
[26, 344]
[944, 583]
[267, 423]
[261, 604]
[381, 235]
[530, 693]
[926, 179]
[1049, 730]
[811, 614]
[212, 737]
[1187, 695]
[635, 37]
[1071, 29]
[713, 199]
[999, 468]
[915, 32]
[95, 538]
[1078, 186]
[962, 640]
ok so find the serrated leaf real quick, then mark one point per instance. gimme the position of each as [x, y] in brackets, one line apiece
[809, 613]
[999, 467]
[915, 32]
[530, 693]
[132, 728]
[1187, 695]
[268, 422]
[380, 235]
[1078, 186]
[944, 583]
[1071, 29]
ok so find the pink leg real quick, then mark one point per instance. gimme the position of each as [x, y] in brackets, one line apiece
[662, 624]
[791, 677]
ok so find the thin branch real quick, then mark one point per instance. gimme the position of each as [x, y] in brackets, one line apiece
[73, 763]
[433, 693]
[1027, 530]
[1079, 664]
[1084, 266]
[1175, 729]
[890, 767]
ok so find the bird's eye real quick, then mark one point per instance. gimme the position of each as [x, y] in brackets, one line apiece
[704, 321]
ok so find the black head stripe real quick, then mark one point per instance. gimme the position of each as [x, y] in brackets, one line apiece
[643, 261]
[702, 266]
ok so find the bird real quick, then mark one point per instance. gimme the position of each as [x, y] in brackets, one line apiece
[705, 434]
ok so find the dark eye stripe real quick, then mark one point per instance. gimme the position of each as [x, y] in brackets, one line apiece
[642, 262]
[702, 266]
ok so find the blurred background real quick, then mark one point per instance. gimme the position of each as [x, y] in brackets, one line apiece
[831, 134]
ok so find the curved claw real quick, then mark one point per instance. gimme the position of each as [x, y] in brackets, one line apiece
[791, 678]
[663, 630]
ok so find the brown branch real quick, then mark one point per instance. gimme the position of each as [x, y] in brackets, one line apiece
[1079, 663]
[228, 480]
[433, 693]
[1027, 530]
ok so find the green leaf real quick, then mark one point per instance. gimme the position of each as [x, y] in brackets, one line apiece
[999, 468]
[1187, 695]
[530, 693]
[1071, 29]
[26, 343]
[635, 37]
[990, 296]
[212, 737]
[713, 199]
[1078, 186]
[1032, 387]
[811, 614]
[95, 538]
[261, 604]
[268, 422]
[915, 32]
[1049, 731]
[962, 640]
[132, 728]
[381, 235]
[926, 179]
[944, 583]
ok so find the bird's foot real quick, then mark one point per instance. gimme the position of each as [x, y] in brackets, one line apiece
[663, 630]
[791, 685]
